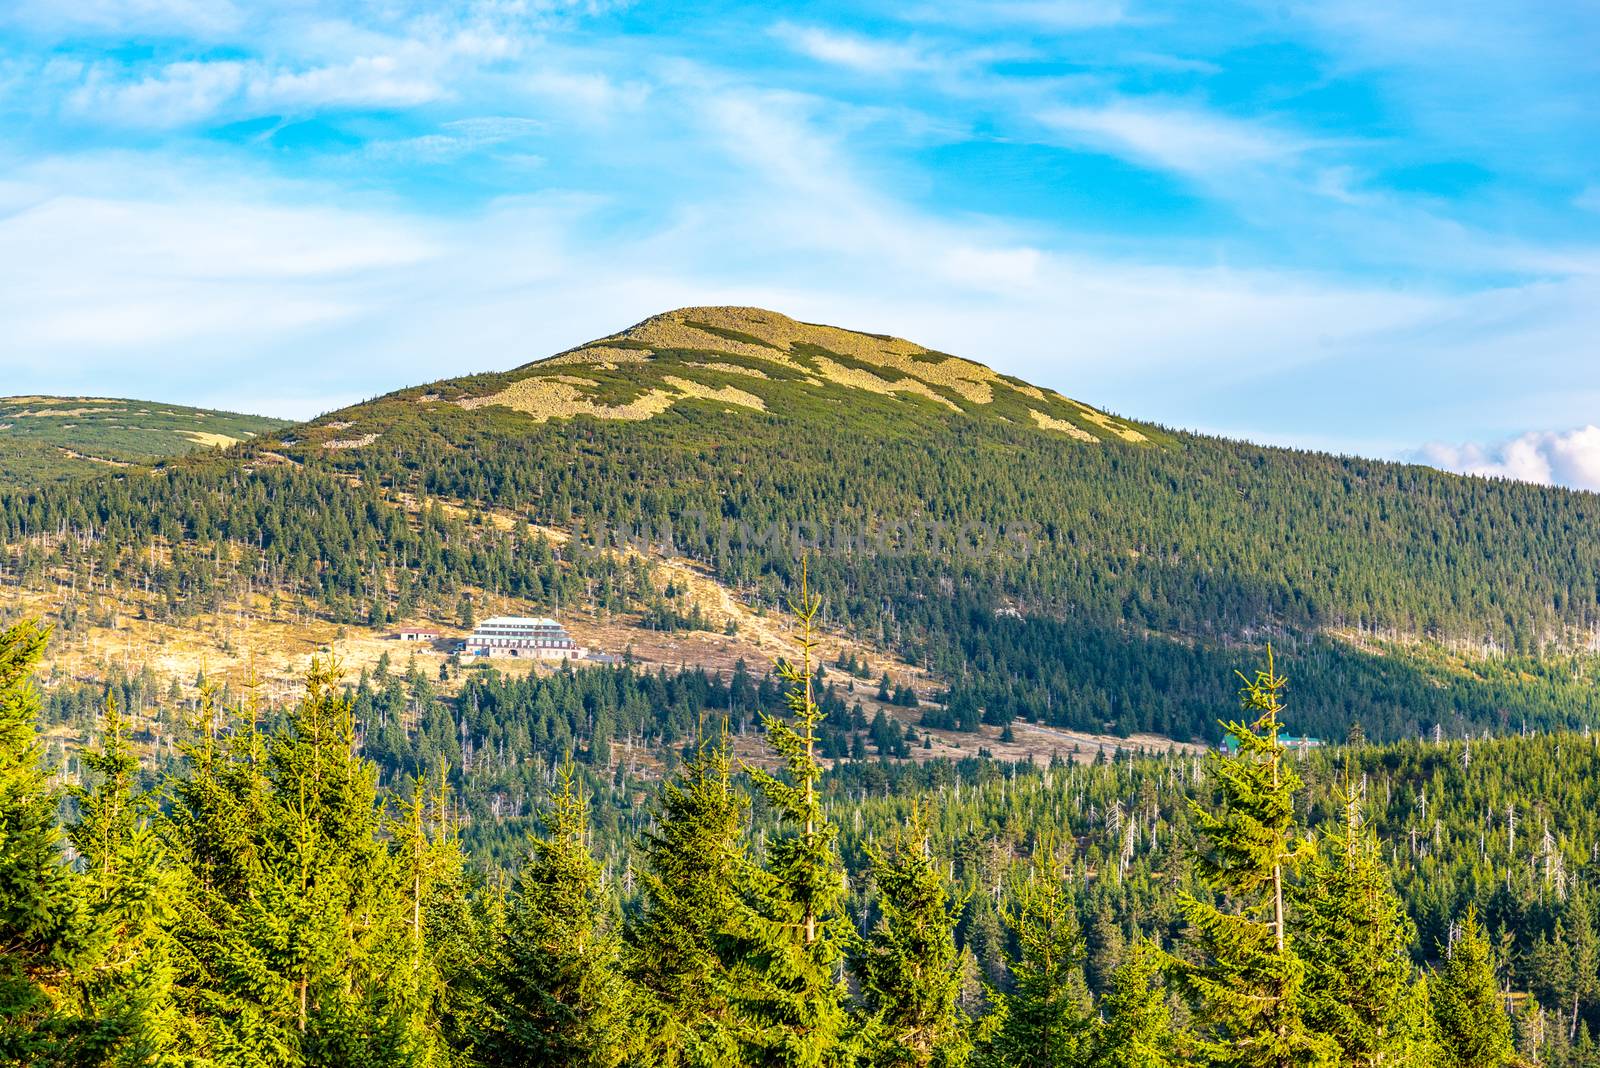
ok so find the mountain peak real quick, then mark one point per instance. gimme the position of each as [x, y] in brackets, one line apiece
[761, 334]
[743, 360]
[761, 326]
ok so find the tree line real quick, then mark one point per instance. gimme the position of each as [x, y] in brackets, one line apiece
[268, 904]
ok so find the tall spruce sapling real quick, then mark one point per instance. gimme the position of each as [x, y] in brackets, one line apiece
[1354, 936]
[1044, 1017]
[131, 898]
[41, 931]
[447, 930]
[787, 977]
[1474, 1030]
[339, 892]
[1246, 983]
[1135, 1025]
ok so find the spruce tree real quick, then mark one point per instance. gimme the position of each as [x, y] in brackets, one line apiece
[447, 928]
[681, 938]
[1106, 945]
[787, 980]
[909, 968]
[1044, 1017]
[129, 893]
[1246, 986]
[1135, 1030]
[40, 910]
[1474, 1030]
[555, 993]
[213, 830]
[1584, 953]
[1420, 1047]
[1354, 936]
[294, 933]
[337, 895]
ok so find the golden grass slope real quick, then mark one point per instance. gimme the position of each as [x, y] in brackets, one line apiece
[571, 383]
[209, 440]
[564, 396]
[778, 335]
[1072, 430]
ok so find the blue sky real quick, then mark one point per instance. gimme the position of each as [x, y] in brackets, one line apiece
[1354, 225]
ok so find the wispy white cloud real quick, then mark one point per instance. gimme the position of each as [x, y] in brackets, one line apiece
[365, 81]
[1192, 141]
[960, 71]
[1063, 15]
[1553, 458]
[1161, 61]
[178, 94]
[457, 138]
[592, 93]
[327, 66]
[122, 17]
[1465, 74]
[93, 278]
[866, 54]
[188, 92]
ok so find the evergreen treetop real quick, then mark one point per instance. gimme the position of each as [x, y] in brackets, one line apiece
[681, 939]
[789, 982]
[908, 965]
[131, 895]
[1247, 986]
[41, 930]
[1474, 1031]
[1355, 938]
[556, 994]
[1044, 1018]
[1136, 1028]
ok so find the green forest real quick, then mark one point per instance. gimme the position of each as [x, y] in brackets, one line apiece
[283, 891]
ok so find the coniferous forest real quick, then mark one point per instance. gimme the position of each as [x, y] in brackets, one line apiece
[275, 896]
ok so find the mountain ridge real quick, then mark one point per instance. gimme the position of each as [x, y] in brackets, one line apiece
[54, 437]
[1147, 570]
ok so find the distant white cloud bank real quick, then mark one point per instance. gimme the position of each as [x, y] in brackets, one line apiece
[1550, 457]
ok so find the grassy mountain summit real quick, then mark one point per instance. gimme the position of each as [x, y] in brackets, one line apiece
[726, 354]
[729, 359]
[43, 438]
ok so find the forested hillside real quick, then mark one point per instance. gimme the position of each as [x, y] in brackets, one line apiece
[1047, 561]
[264, 902]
